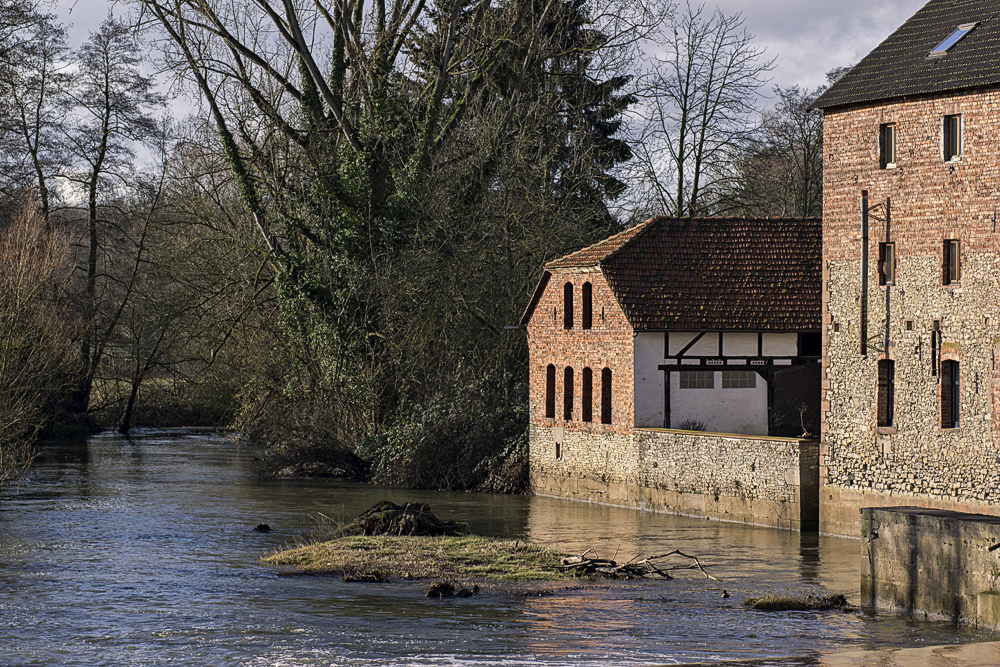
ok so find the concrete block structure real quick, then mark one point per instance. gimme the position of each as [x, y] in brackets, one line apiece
[911, 273]
[675, 366]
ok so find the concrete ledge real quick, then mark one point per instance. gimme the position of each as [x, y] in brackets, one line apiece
[933, 564]
[839, 507]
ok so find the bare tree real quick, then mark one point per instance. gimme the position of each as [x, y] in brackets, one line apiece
[697, 108]
[112, 105]
[36, 333]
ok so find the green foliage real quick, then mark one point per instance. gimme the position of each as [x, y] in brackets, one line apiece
[468, 438]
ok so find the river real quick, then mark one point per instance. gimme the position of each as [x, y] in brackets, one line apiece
[140, 551]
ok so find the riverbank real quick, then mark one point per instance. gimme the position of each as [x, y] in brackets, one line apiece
[383, 557]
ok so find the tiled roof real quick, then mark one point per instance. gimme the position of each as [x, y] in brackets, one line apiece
[899, 66]
[721, 273]
[592, 255]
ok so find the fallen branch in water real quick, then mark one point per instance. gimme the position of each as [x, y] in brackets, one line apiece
[583, 565]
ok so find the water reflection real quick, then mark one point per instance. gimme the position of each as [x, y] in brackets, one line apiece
[140, 551]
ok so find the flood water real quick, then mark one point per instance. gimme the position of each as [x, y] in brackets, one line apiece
[140, 551]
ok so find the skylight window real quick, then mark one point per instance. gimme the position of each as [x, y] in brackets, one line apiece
[952, 40]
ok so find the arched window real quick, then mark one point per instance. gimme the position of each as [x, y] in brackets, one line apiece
[606, 396]
[568, 306]
[550, 392]
[568, 394]
[588, 305]
[587, 397]
[886, 391]
[950, 393]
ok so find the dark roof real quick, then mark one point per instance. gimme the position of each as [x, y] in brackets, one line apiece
[899, 66]
[711, 273]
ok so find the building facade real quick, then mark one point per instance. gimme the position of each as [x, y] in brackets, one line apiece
[911, 275]
[675, 366]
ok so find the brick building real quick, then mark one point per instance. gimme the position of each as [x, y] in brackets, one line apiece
[910, 274]
[710, 325]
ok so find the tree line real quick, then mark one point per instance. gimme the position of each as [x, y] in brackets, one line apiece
[324, 255]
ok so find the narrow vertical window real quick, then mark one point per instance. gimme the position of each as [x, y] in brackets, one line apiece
[886, 391]
[568, 394]
[568, 306]
[587, 398]
[951, 270]
[887, 145]
[952, 138]
[588, 305]
[950, 393]
[550, 392]
[606, 396]
[886, 263]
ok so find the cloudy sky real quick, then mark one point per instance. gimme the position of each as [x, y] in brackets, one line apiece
[808, 37]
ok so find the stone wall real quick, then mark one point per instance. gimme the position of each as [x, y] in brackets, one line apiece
[932, 564]
[915, 461]
[756, 480]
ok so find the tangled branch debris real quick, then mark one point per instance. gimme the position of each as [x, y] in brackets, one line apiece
[652, 567]
[387, 518]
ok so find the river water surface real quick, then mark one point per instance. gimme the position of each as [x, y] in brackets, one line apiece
[140, 551]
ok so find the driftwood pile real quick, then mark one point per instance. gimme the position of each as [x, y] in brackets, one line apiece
[386, 518]
[590, 564]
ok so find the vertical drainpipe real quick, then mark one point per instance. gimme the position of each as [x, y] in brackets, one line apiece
[863, 326]
[888, 240]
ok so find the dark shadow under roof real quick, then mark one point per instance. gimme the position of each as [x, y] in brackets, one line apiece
[899, 66]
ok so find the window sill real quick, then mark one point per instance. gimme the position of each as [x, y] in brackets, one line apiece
[885, 430]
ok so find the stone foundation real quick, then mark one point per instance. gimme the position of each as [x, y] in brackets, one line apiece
[932, 564]
[839, 508]
[750, 479]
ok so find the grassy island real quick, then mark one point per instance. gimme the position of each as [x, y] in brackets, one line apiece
[382, 557]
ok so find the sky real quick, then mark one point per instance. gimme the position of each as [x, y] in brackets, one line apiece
[808, 37]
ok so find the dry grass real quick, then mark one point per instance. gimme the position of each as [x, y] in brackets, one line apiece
[790, 603]
[394, 557]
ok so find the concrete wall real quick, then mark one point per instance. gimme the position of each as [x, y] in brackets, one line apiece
[763, 481]
[932, 564]
[721, 410]
[915, 461]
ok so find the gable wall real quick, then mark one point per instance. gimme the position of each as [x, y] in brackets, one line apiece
[916, 461]
[608, 344]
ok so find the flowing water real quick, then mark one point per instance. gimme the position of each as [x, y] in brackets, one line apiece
[140, 551]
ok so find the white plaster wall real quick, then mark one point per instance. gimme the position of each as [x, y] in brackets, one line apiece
[648, 380]
[781, 345]
[739, 344]
[708, 346]
[721, 410]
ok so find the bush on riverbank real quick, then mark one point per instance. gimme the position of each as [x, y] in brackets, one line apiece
[469, 439]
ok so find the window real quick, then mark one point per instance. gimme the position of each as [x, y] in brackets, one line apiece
[951, 40]
[568, 306]
[697, 379]
[550, 392]
[951, 270]
[886, 391]
[950, 394]
[952, 138]
[606, 396]
[587, 402]
[588, 305]
[568, 394]
[887, 145]
[886, 263]
[739, 379]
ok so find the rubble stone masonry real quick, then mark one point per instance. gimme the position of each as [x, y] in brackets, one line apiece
[920, 321]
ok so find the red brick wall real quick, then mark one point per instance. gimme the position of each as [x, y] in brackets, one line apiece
[608, 344]
[932, 200]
